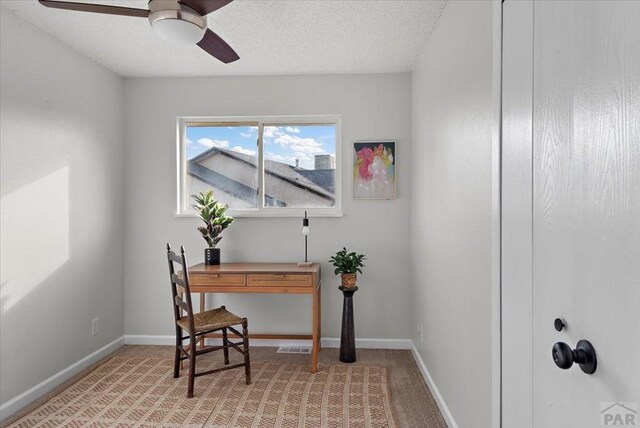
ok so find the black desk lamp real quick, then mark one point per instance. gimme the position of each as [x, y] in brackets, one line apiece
[305, 232]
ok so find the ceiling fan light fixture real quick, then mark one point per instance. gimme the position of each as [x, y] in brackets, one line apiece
[178, 31]
[180, 25]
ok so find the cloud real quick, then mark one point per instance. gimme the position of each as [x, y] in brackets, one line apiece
[294, 146]
[208, 142]
[240, 149]
[250, 133]
[273, 131]
[300, 145]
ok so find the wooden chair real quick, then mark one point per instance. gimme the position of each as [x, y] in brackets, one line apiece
[199, 324]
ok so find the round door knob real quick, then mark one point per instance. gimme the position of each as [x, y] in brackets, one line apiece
[559, 324]
[584, 355]
[562, 355]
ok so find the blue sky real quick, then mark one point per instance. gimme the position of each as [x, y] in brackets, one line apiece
[281, 143]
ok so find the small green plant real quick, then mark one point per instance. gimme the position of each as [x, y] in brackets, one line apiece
[347, 262]
[214, 216]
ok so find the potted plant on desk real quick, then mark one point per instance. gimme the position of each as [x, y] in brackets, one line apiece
[214, 216]
[348, 265]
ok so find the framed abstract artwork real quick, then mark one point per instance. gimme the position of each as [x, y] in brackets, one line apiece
[374, 170]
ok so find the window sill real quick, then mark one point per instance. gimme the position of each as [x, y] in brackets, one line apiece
[293, 213]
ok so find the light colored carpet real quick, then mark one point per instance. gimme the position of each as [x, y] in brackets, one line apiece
[411, 400]
[130, 391]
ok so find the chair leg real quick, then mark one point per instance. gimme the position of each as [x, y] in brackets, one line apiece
[192, 365]
[245, 344]
[225, 342]
[176, 361]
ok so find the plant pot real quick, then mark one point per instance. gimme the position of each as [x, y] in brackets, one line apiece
[349, 280]
[212, 256]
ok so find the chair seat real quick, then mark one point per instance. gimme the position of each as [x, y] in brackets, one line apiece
[211, 320]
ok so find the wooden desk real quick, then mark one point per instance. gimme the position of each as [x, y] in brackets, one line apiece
[279, 278]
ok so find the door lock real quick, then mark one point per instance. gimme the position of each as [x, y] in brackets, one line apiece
[584, 355]
[559, 324]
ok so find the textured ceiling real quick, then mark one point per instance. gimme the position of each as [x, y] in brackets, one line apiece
[271, 37]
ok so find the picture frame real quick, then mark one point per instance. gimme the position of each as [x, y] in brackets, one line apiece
[374, 170]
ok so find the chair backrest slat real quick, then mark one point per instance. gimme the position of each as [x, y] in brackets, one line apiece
[178, 280]
[180, 303]
[175, 258]
[180, 283]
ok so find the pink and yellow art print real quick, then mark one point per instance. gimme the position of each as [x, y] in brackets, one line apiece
[374, 170]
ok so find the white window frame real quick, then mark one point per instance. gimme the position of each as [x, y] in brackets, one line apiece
[183, 203]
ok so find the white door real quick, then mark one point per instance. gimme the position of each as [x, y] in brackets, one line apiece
[571, 212]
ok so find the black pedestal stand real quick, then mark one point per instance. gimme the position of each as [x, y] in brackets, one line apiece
[348, 337]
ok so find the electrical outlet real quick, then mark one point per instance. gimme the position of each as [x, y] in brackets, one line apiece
[420, 331]
[95, 326]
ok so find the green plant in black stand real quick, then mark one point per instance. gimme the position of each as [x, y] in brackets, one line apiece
[347, 264]
[214, 216]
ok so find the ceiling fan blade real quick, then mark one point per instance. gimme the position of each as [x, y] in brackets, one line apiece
[95, 8]
[215, 46]
[204, 7]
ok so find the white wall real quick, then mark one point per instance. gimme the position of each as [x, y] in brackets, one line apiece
[62, 206]
[451, 209]
[372, 107]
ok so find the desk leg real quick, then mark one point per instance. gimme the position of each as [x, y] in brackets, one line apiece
[202, 310]
[316, 330]
[319, 319]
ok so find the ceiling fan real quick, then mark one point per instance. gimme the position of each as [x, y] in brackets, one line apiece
[181, 21]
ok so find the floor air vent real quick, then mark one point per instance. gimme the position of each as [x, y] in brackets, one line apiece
[294, 350]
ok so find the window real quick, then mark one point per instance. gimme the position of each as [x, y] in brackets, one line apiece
[271, 166]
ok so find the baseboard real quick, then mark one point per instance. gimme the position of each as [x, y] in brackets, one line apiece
[334, 342]
[327, 342]
[143, 339]
[20, 401]
[446, 413]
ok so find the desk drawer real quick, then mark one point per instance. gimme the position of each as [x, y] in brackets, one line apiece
[282, 280]
[228, 279]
